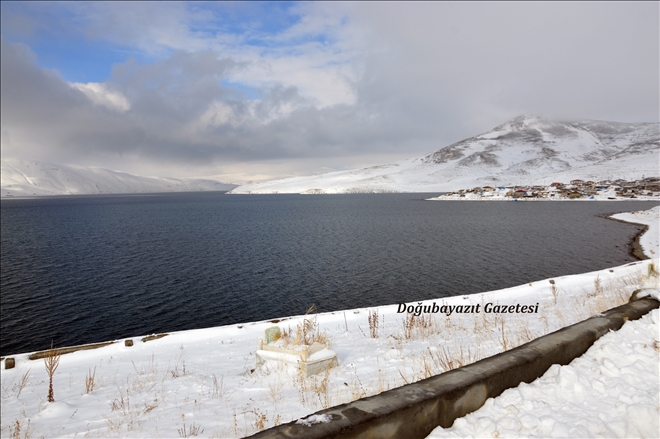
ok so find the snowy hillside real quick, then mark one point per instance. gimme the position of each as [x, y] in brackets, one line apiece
[526, 150]
[30, 178]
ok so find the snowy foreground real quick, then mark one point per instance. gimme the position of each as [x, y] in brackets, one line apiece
[610, 391]
[205, 382]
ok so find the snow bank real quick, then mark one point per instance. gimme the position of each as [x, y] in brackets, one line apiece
[650, 241]
[611, 391]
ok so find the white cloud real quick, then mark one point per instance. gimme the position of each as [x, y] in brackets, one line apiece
[331, 84]
[100, 94]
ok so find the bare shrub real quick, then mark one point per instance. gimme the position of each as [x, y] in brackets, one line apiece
[52, 361]
[373, 323]
[555, 291]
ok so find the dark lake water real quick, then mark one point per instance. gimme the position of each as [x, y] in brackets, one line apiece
[88, 269]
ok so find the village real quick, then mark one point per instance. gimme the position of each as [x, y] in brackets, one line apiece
[644, 189]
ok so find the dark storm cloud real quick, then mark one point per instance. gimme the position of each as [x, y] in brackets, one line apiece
[415, 77]
[167, 99]
[462, 62]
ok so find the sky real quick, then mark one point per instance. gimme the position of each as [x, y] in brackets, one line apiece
[259, 90]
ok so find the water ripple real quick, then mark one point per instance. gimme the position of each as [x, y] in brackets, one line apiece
[88, 269]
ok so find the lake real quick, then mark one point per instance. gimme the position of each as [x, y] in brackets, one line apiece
[84, 269]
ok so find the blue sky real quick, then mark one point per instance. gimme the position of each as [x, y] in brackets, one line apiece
[267, 89]
[61, 38]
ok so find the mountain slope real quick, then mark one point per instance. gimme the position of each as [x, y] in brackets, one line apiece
[30, 178]
[527, 149]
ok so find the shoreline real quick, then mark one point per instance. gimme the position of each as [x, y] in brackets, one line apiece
[646, 245]
[205, 374]
[199, 377]
[634, 245]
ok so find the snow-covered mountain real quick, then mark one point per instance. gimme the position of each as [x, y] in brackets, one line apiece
[30, 178]
[526, 150]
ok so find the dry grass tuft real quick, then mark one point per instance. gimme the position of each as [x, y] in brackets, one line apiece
[305, 331]
[22, 383]
[504, 341]
[320, 388]
[217, 387]
[15, 430]
[121, 404]
[90, 381]
[190, 431]
[422, 326]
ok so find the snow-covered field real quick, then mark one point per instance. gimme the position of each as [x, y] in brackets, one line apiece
[205, 382]
[610, 391]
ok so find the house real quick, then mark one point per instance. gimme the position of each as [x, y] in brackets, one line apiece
[576, 182]
[519, 193]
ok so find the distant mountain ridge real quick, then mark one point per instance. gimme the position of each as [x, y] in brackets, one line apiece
[31, 178]
[527, 149]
